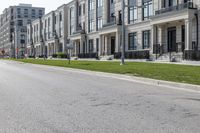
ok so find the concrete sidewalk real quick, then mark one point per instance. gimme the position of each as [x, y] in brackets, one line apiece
[184, 62]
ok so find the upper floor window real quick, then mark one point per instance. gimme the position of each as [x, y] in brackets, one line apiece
[99, 3]
[112, 1]
[60, 16]
[84, 8]
[18, 11]
[26, 11]
[79, 10]
[72, 21]
[148, 9]
[91, 5]
[99, 23]
[20, 22]
[133, 12]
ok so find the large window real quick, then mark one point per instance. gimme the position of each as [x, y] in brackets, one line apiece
[148, 9]
[20, 22]
[100, 22]
[99, 3]
[99, 14]
[72, 21]
[91, 5]
[146, 39]
[91, 15]
[91, 25]
[133, 12]
[132, 41]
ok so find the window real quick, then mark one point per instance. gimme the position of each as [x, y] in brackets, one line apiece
[91, 25]
[40, 12]
[112, 1]
[132, 41]
[91, 46]
[33, 13]
[72, 21]
[99, 3]
[100, 23]
[148, 9]
[91, 15]
[133, 12]
[172, 2]
[20, 22]
[83, 8]
[60, 16]
[79, 10]
[26, 13]
[55, 19]
[28, 21]
[91, 5]
[146, 39]
[18, 11]
[99, 14]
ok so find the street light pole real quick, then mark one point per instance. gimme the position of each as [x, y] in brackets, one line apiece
[123, 37]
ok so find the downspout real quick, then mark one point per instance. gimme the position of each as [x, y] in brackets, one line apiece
[197, 29]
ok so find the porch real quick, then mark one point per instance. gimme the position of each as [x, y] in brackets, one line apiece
[174, 37]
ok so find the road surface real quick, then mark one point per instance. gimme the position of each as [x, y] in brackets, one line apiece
[42, 99]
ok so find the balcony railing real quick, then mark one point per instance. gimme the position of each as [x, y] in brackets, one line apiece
[79, 30]
[188, 5]
[111, 23]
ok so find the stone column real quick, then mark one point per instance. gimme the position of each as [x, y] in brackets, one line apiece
[75, 48]
[188, 34]
[106, 45]
[100, 45]
[117, 42]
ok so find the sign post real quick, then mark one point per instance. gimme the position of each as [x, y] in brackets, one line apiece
[69, 46]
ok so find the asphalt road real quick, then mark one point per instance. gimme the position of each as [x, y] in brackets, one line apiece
[42, 99]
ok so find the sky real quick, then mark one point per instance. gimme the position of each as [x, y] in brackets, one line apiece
[48, 4]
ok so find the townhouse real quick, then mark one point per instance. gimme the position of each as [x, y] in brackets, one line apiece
[153, 29]
[13, 30]
[48, 34]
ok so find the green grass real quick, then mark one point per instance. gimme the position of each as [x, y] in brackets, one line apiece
[168, 72]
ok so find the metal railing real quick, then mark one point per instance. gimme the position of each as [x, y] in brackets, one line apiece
[111, 23]
[79, 30]
[187, 5]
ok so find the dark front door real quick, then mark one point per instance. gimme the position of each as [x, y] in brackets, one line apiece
[172, 39]
[112, 45]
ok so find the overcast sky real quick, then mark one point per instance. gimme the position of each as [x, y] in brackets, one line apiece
[48, 4]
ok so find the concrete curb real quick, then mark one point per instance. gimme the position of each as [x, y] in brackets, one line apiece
[147, 81]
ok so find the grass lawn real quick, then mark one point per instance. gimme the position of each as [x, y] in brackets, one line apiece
[169, 72]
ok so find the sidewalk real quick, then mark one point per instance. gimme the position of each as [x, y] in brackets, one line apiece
[184, 62]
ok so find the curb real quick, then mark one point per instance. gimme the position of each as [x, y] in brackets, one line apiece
[141, 80]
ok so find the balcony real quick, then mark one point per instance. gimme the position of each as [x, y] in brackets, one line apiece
[188, 5]
[111, 23]
[79, 30]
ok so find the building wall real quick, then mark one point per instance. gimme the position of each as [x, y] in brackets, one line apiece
[14, 22]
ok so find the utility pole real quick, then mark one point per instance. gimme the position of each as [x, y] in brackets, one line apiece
[123, 37]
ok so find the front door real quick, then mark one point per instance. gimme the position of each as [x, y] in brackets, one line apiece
[172, 39]
[183, 37]
[112, 45]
